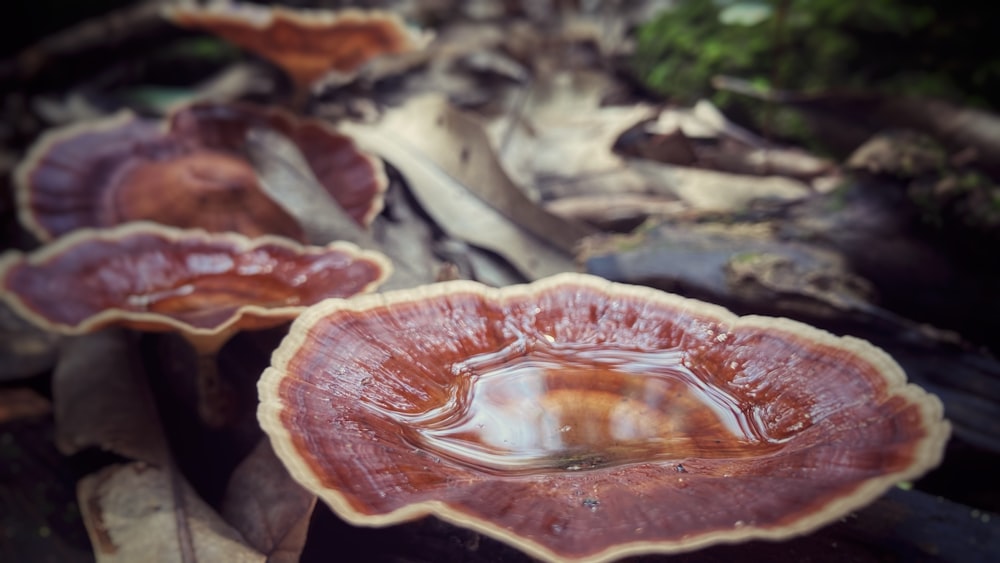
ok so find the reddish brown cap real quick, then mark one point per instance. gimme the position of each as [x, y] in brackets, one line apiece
[194, 175]
[307, 44]
[203, 285]
[354, 178]
[579, 419]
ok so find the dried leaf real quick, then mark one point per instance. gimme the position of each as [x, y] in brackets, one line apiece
[902, 154]
[703, 121]
[102, 400]
[288, 180]
[286, 177]
[138, 512]
[268, 507]
[24, 349]
[563, 133]
[143, 510]
[617, 212]
[451, 170]
[461, 148]
[708, 190]
[407, 237]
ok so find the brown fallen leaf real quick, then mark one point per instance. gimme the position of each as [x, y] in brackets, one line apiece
[268, 507]
[144, 510]
[903, 154]
[286, 177]
[450, 168]
[562, 132]
[616, 212]
[138, 512]
[708, 190]
[461, 147]
[742, 264]
[101, 399]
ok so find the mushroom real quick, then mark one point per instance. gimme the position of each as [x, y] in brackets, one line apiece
[188, 173]
[355, 179]
[204, 286]
[583, 420]
[307, 44]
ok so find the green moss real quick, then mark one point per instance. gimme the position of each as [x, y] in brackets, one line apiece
[892, 46]
[971, 180]
[745, 257]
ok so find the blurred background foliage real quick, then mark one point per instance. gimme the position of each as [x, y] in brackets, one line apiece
[938, 48]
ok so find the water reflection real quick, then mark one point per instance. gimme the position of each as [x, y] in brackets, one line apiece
[558, 407]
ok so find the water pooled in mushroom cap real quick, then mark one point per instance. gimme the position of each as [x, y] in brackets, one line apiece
[548, 406]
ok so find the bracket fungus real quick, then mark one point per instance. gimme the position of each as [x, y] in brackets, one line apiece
[307, 44]
[189, 172]
[204, 286]
[580, 419]
[355, 179]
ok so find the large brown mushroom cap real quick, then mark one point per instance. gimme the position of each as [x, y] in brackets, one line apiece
[307, 44]
[189, 174]
[201, 284]
[580, 419]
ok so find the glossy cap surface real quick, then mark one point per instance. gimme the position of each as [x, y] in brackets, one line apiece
[307, 44]
[150, 277]
[579, 419]
[190, 173]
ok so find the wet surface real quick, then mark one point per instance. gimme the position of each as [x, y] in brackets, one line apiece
[576, 407]
[192, 277]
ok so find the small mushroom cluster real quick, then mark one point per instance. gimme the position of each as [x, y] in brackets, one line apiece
[146, 225]
[145, 222]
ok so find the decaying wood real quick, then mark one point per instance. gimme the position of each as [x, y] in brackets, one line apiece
[959, 128]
